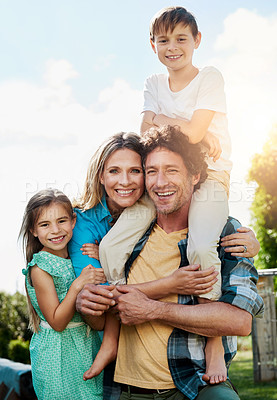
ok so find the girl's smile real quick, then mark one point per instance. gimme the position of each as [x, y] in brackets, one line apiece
[54, 229]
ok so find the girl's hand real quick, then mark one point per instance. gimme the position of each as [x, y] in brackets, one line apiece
[213, 144]
[90, 275]
[244, 242]
[190, 280]
[91, 250]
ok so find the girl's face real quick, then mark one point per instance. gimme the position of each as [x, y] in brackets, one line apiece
[123, 179]
[54, 229]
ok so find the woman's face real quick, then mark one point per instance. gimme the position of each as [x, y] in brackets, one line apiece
[123, 179]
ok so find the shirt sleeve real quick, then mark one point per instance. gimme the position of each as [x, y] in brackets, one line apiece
[83, 232]
[211, 95]
[239, 279]
[150, 95]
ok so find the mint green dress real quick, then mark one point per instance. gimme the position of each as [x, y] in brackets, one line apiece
[59, 359]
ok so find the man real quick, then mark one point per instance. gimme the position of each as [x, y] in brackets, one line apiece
[160, 353]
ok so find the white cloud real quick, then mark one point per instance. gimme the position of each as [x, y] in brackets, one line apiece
[249, 33]
[247, 57]
[58, 72]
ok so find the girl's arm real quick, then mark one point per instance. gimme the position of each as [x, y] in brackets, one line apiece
[57, 314]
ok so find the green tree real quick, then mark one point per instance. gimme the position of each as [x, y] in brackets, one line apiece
[263, 171]
[13, 320]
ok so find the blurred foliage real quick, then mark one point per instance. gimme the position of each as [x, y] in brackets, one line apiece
[13, 322]
[264, 207]
[18, 350]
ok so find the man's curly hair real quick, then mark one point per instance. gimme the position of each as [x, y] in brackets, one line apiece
[174, 140]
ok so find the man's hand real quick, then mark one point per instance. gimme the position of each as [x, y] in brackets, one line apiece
[243, 243]
[94, 300]
[190, 280]
[134, 306]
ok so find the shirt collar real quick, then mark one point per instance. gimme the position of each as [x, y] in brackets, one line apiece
[102, 211]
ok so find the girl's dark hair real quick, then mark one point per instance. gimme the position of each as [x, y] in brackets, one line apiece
[36, 204]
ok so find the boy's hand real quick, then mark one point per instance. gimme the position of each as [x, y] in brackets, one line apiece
[91, 250]
[212, 142]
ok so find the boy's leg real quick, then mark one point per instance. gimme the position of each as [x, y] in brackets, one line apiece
[207, 216]
[117, 245]
[222, 391]
[108, 350]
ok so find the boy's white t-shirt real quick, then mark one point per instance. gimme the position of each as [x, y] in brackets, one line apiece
[205, 91]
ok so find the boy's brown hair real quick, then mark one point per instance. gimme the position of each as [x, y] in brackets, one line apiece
[167, 18]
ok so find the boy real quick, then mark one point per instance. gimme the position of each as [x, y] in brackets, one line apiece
[194, 100]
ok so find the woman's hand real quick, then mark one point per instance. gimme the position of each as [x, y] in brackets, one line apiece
[190, 280]
[89, 275]
[91, 250]
[244, 243]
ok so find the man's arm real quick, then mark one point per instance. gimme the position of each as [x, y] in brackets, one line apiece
[212, 319]
[94, 300]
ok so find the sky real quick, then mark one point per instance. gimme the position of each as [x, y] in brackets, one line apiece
[72, 74]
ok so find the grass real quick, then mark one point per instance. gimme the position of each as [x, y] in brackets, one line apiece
[241, 374]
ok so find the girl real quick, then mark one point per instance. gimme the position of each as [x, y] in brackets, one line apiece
[61, 348]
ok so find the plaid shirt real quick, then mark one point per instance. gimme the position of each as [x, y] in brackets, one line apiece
[185, 350]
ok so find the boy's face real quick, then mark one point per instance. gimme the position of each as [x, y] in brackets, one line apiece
[175, 49]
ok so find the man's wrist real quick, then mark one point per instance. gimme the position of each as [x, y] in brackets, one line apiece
[157, 310]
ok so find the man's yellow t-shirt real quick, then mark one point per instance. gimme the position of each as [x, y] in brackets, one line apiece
[142, 351]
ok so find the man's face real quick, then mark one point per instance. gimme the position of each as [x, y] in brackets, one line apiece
[168, 181]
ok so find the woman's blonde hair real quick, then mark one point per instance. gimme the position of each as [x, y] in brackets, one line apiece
[94, 190]
[30, 243]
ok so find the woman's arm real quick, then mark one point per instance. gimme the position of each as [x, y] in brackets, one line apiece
[243, 243]
[57, 314]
